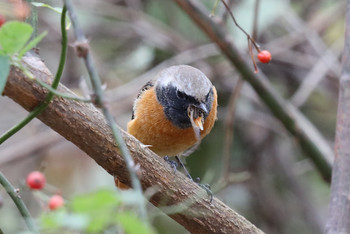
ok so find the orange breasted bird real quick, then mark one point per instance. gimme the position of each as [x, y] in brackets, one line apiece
[173, 112]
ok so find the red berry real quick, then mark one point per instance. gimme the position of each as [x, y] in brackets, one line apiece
[264, 56]
[2, 20]
[36, 180]
[55, 202]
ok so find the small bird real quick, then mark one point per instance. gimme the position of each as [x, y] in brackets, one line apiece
[173, 112]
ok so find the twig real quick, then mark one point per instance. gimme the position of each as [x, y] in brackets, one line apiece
[255, 19]
[287, 175]
[310, 140]
[33, 19]
[21, 150]
[311, 36]
[213, 10]
[316, 74]
[83, 51]
[39, 109]
[63, 95]
[251, 39]
[230, 118]
[19, 203]
[339, 208]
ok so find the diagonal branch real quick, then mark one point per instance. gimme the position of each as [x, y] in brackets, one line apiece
[339, 208]
[85, 126]
[308, 137]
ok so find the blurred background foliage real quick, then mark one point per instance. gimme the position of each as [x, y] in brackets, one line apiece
[269, 180]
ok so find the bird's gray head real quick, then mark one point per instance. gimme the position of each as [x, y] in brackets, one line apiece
[186, 79]
[181, 87]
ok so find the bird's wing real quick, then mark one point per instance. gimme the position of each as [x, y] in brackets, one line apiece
[147, 86]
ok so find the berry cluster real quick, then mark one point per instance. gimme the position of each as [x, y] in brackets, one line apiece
[36, 181]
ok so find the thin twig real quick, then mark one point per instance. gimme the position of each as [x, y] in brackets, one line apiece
[33, 19]
[229, 123]
[212, 13]
[257, 47]
[82, 44]
[19, 203]
[54, 85]
[63, 95]
[314, 77]
[255, 19]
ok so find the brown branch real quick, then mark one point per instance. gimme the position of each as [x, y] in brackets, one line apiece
[309, 139]
[85, 126]
[339, 208]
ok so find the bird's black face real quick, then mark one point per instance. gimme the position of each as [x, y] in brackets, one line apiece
[176, 105]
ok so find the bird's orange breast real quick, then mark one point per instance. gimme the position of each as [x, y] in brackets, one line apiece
[151, 127]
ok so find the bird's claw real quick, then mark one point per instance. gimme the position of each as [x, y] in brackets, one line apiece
[206, 187]
[173, 164]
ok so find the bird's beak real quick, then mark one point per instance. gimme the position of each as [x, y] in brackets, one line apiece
[196, 114]
[203, 108]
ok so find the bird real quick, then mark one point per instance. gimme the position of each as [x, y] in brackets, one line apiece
[174, 111]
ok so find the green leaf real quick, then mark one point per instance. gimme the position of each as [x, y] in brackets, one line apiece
[31, 44]
[52, 220]
[133, 225]
[14, 35]
[100, 221]
[40, 4]
[94, 202]
[60, 219]
[99, 207]
[4, 71]
[55, 9]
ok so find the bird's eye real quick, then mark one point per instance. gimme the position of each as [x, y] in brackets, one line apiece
[180, 94]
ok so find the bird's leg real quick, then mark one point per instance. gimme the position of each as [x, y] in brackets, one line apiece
[206, 187]
[172, 163]
[183, 166]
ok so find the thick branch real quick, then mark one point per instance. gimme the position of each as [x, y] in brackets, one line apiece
[85, 126]
[339, 208]
[305, 133]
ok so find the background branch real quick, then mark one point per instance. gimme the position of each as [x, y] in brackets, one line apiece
[310, 140]
[85, 126]
[339, 208]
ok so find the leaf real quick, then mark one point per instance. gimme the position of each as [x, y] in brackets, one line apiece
[40, 4]
[31, 44]
[133, 225]
[94, 202]
[55, 9]
[99, 207]
[14, 35]
[4, 71]
[100, 221]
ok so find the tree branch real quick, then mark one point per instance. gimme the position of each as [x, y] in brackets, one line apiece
[339, 208]
[85, 126]
[310, 140]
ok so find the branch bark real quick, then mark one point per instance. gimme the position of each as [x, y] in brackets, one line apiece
[85, 126]
[339, 208]
[309, 139]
